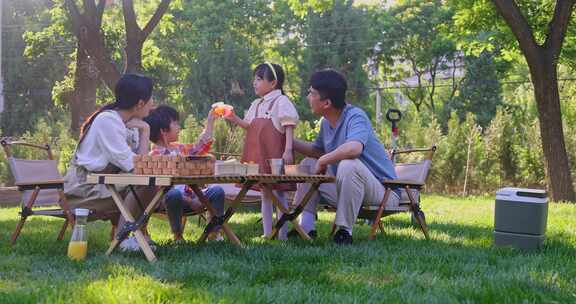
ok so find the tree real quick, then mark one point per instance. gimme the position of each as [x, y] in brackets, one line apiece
[337, 37]
[480, 90]
[528, 28]
[28, 79]
[82, 100]
[93, 57]
[421, 48]
[213, 61]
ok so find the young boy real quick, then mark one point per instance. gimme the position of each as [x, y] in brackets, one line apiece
[164, 124]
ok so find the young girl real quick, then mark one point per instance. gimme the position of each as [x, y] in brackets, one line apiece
[109, 140]
[164, 124]
[269, 123]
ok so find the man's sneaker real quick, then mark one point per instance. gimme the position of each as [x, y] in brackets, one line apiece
[293, 234]
[342, 237]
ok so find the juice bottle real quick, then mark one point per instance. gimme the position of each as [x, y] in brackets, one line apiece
[78, 246]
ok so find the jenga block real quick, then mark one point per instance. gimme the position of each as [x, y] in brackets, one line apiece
[147, 171]
[149, 165]
[156, 158]
[170, 165]
[166, 171]
[181, 165]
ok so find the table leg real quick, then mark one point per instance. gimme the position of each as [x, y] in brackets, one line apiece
[126, 214]
[291, 216]
[214, 219]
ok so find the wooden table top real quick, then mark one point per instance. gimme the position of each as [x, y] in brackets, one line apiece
[167, 180]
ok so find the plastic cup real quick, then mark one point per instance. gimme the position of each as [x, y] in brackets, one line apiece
[276, 166]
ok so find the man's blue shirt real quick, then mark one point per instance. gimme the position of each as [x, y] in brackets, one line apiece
[354, 125]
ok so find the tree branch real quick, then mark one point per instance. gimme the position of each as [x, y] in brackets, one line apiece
[510, 11]
[100, 12]
[89, 7]
[160, 11]
[75, 16]
[132, 28]
[558, 26]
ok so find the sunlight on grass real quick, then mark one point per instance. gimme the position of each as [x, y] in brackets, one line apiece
[458, 263]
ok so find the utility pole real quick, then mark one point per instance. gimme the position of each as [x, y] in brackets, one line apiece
[378, 106]
[1, 77]
[373, 65]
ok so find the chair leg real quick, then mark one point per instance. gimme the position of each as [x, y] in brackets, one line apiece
[62, 230]
[184, 221]
[201, 218]
[422, 224]
[333, 230]
[17, 231]
[376, 223]
[114, 224]
[24, 216]
[381, 228]
[374, 229]
[417, 214]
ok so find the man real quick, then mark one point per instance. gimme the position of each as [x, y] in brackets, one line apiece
[347, 148]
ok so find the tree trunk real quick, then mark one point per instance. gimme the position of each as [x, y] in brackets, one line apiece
[83, 99]
[559, 179]
[134, 56]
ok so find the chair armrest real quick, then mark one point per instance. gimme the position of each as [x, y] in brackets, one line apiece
[46, 184]
[401, 183]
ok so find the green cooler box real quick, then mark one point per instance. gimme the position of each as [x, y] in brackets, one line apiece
[520, 218]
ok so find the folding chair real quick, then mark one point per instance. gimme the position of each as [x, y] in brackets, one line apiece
[411, 178]
[41, 185]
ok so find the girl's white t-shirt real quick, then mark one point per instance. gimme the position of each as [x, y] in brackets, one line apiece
[283, 112]
[108, 141]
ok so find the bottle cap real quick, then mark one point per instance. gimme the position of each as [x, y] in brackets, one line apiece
[82, 212]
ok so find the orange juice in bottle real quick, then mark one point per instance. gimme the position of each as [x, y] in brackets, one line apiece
[78, 246]
[77, 250]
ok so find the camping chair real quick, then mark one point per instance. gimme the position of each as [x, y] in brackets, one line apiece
[41, 185]
[411, 178]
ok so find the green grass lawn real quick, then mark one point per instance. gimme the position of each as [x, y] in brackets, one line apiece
[458, 264]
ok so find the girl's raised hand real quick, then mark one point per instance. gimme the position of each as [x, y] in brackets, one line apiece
[230, 115]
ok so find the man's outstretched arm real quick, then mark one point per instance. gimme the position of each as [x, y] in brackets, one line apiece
[307, 149]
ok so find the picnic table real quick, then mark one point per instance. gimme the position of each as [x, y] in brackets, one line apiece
[164, 182]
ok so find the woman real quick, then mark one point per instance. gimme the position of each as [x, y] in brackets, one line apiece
[109, 139]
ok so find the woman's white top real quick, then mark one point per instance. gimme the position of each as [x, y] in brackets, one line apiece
[283, 112]
[108, 141]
